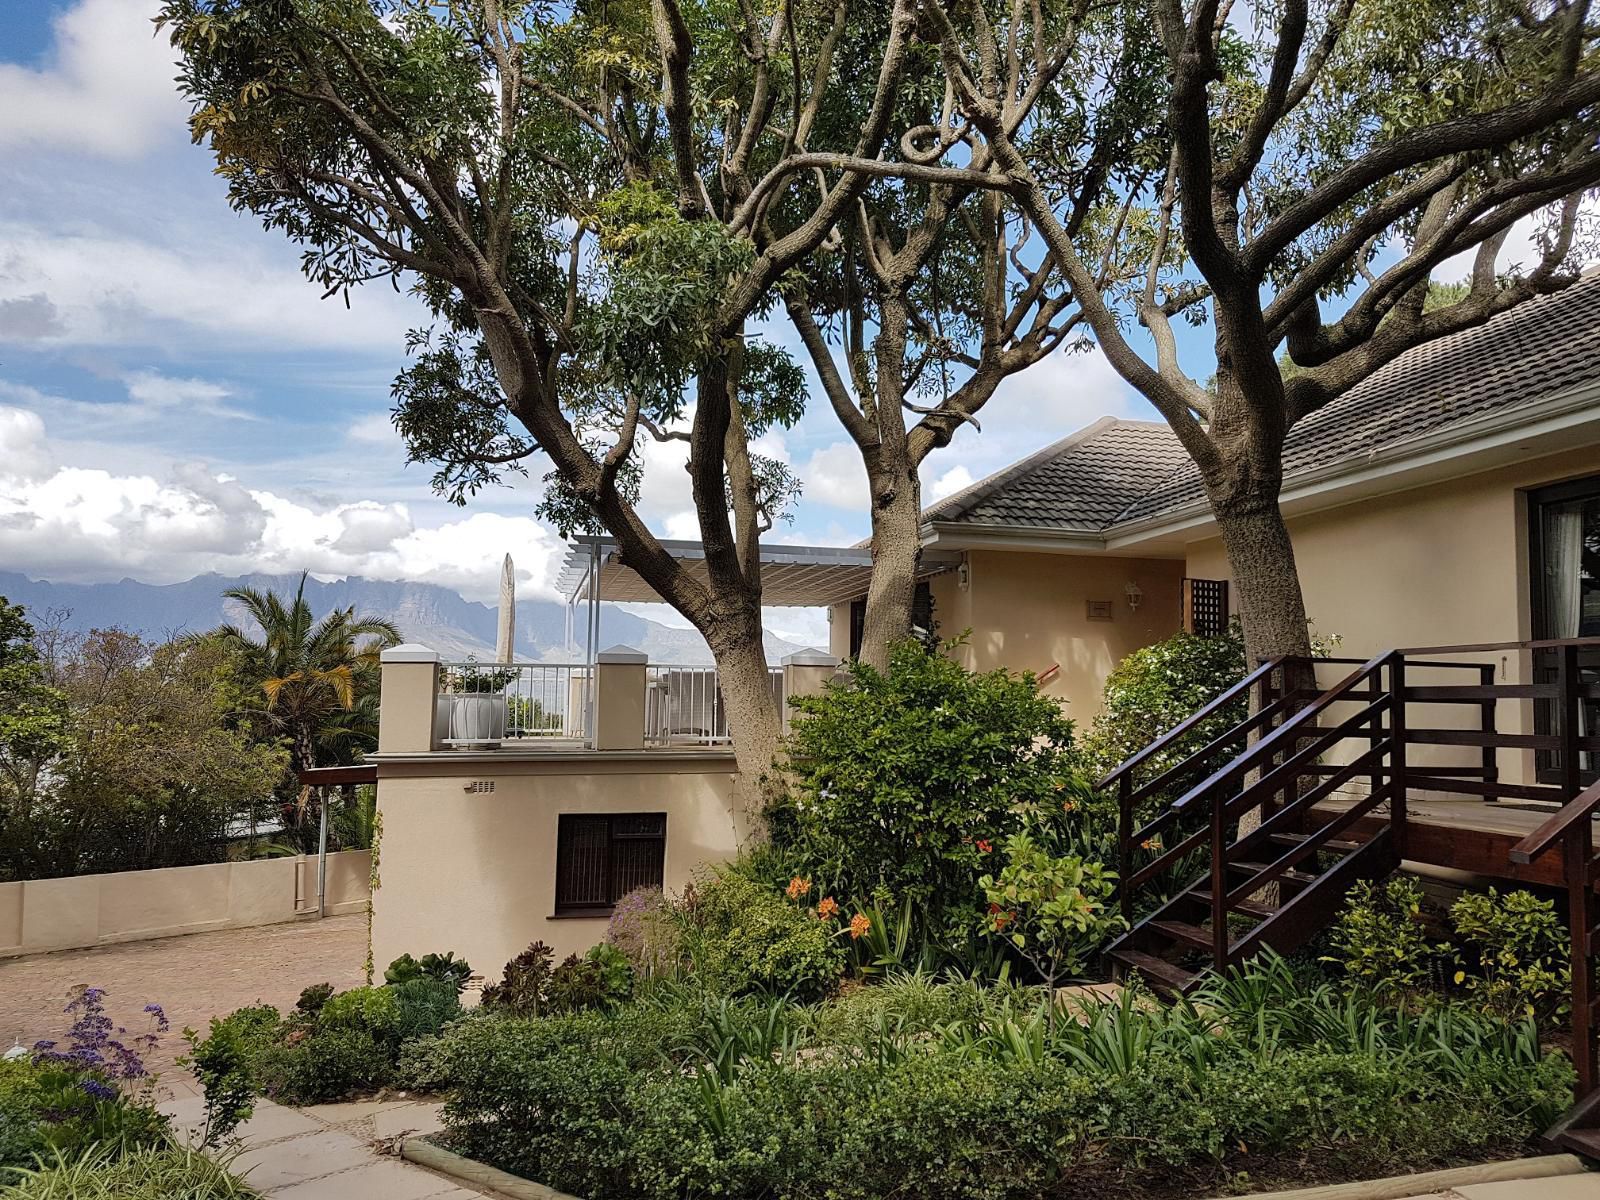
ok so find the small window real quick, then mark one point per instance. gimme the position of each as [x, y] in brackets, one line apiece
[601, 858]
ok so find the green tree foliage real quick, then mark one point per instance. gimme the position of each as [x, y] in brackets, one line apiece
[907, 780]
[311, 685]
[33, 715]
[148, 773]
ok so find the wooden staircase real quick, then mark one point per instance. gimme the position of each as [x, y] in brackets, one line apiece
[1326, 770]
[1215, 897]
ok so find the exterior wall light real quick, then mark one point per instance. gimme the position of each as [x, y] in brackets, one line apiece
[1134, 594]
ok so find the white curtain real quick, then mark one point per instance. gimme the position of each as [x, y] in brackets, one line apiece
[1563, 569]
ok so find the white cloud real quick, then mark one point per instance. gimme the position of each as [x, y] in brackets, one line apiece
[78, 523]
[155, 394]
[952, 481]
[374, 429]
[108, 89]
[104, 289]
[835, 475]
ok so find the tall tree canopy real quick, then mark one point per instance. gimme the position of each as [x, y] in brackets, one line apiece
[1314, 161]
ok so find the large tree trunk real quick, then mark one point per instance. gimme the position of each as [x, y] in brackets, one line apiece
[1266, 580]
[896, 552]
[746, 684]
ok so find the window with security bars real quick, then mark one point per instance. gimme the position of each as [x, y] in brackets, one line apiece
[602, 857]
[1205, 606]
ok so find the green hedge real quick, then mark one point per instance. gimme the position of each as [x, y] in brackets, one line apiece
[979, 1095]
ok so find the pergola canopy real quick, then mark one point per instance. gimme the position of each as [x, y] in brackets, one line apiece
[791, 576]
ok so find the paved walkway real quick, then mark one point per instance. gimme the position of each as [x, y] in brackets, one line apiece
[333, 1151]
[194, 977]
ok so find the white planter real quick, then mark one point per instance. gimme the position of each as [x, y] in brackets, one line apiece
[478, 719]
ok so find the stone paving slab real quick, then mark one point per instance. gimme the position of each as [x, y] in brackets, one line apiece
[331, 1151]
[1563, 1187]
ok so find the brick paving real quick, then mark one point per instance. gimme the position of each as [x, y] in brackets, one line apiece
[194, 977]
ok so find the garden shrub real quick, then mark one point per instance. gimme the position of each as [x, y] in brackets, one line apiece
[643, 930]
[326, 1064]
[1056, 910]
[1157, 686]
[148, 1173]
[984, 1094]
[907, 779]
[739, 936]
[445, 968]
[1380, 940]
[425, 1005]
[523, 984]
[373, 1010]
[1517, 955]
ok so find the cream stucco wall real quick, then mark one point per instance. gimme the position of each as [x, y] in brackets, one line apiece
[467, 858]
[91, 910]
[1028, 611]
[1445, 564]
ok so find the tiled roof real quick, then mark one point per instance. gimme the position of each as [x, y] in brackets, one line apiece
[1116, 471]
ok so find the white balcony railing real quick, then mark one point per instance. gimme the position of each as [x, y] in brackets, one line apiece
[485, 703]
[683, 704]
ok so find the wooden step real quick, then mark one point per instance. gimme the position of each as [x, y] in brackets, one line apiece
[1245, 906]
[1158, 972]
[1291, 875]
[1295, 839]
[1184, 933]
[1583, 1142]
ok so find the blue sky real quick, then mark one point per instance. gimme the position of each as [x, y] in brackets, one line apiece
[176, 398]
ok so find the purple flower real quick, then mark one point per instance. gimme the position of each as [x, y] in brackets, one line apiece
[96, 1090]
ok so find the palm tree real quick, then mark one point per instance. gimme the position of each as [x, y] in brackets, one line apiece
[318, 678]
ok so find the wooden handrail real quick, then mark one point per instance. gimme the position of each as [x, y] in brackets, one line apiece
[1583, 643]
[1242, 688]
[1269, 744]
[1581, 808]
[1241, 730]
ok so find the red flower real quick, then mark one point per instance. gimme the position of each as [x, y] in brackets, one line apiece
[984, 847]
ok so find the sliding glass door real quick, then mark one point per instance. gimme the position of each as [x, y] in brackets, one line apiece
[1565, 557]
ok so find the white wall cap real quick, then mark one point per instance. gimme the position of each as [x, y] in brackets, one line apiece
[810, 657]
[409, 652]
[622, 654]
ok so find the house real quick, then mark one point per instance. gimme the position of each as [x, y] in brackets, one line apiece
[1451, 499]
[1446, 517]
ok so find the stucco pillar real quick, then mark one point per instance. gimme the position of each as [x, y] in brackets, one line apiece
[619, 699]
[804, 674]
[407, 700]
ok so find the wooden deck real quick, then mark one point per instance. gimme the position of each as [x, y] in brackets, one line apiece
[1468, 835]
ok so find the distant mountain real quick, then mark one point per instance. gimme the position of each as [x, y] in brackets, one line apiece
[425, 612]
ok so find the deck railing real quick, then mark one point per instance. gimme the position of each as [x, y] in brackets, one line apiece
[684, 706]
[520, 701]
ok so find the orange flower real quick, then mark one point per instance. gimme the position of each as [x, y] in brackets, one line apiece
[1068, 806]
[859, 925]
[797, 888]
[984, 847]
[1150, 844]
[828, 909]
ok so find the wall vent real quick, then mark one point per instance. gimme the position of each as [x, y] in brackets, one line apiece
[480, 785]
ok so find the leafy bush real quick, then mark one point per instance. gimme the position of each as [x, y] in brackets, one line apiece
[374, 1010]
[91, 1088]
[739, 936]
[1055, 910]
[1379, 939]
[149, 1173]
[904, 778]
[642, 928]
[523, 984]
[425, 1006]
[313, 998]
[1156, 687]
[601, 978]
[327, 1064]
[987, 1093]
[1518, 960]
[446, 968]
